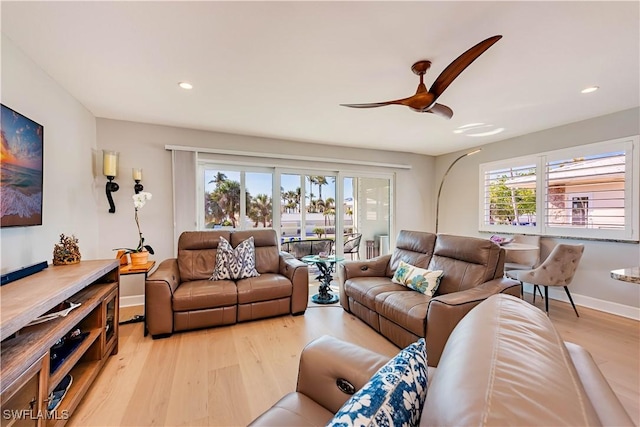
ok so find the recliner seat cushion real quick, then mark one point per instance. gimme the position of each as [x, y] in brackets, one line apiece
[265, 287]
[365, 289]
[407, 309]
[204, 294]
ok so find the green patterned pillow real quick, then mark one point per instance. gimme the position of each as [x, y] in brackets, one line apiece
[423, 281]
[401, 273]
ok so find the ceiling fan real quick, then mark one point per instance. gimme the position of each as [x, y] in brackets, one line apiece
[424, 101]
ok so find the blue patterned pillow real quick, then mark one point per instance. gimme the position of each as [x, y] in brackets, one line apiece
[233, 264]
[394, 396]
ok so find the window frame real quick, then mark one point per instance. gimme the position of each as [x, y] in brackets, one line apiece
[206, 162]
[630, 232]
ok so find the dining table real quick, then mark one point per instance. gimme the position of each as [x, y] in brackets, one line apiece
[519, 247]
[630, 274]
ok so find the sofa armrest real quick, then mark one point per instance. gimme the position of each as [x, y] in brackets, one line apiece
[325, 360]
[298, 273]
[374, 267]
[445, 311]
[604, 400]
[158, 291]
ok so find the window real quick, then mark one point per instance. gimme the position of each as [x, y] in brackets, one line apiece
[230, 195]
[587, 192]
[298, 204]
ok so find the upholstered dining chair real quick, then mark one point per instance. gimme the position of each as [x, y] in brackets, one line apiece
[557, 270]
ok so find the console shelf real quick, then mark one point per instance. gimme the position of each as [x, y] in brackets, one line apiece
[26, 351]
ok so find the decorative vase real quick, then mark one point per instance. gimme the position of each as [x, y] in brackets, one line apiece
[139, 258]
[122, 256]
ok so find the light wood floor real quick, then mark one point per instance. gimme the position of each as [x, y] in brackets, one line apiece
[227, 376]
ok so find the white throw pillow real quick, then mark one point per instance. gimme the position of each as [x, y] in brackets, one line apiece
[419, 279]
[423, 281]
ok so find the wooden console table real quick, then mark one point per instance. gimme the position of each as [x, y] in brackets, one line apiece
[28, 377]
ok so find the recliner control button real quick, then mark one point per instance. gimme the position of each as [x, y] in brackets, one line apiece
[345, 386]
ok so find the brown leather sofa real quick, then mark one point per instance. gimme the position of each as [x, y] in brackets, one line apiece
[179, 295]
[504, 365]
[473, 271]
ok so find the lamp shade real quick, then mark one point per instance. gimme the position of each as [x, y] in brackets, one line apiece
[137, 174]
[109, 163]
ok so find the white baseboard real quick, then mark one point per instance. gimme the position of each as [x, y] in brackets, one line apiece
[131, 300]
[593, 303]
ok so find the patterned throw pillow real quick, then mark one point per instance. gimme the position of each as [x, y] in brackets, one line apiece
[233, 264]
[418, 279]
[394, 396]
[401, 273]
[423, 281]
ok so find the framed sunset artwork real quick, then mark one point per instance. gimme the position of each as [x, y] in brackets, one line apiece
[21, 164]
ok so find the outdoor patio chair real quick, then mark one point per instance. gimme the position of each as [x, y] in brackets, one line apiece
[352, 245]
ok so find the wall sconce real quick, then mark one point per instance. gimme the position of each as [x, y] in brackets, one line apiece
[110, 170]
[137, 177]
[471, 153]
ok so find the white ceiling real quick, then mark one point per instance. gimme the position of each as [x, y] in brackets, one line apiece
[280, 69]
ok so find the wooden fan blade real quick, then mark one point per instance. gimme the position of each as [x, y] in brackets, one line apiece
[419, 102]
[403, 101]
[441, 110]
[371, 105]
[458, 66]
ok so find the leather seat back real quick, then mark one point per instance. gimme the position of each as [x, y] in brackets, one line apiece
[412, 247]
[266, 244]
[466, 261]
[513, 370]
[197, 253]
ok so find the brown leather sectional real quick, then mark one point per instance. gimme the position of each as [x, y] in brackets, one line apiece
[179, 295]
[504, 364]
[473, 271]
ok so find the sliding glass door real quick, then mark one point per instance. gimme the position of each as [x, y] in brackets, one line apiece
[366, 214]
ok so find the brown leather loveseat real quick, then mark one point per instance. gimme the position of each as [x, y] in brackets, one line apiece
[473, 271]
[504, 364]
[179, 295]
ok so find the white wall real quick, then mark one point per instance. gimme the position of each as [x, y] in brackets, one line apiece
[69, 204]
[592, 285]
[142, 145]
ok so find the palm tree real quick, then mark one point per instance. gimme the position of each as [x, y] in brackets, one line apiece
[312, 180]
[219, 179]
[329, 210]
[228, 197]
[261, 210]
[321, 180]
[214, 214]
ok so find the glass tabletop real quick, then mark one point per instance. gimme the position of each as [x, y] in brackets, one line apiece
[318, 258]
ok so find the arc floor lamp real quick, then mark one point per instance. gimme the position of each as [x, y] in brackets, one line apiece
[470, 153]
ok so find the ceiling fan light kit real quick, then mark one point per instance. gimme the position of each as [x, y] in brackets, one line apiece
[424, 101]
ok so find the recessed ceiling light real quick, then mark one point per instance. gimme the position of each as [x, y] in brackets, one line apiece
[590, 89]
[470, 125]
[489, 133]
[476, 127]
[185, 85]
